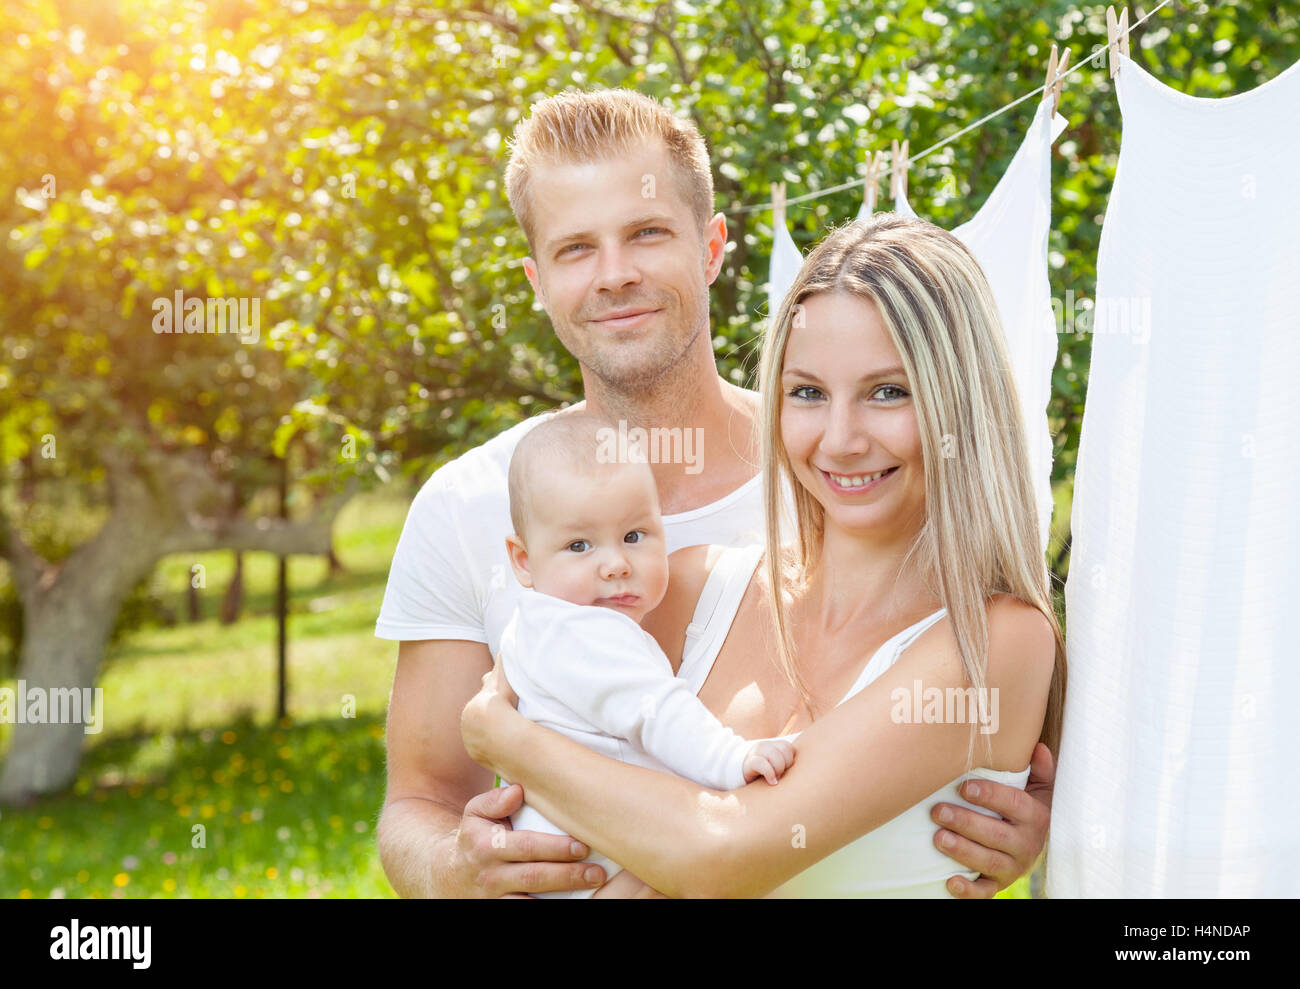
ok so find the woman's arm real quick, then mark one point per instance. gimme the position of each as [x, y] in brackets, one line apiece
[857, 768]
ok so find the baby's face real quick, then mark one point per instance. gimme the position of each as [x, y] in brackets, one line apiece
[598, 540]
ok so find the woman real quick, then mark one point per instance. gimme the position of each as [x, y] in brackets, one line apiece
[914, 576]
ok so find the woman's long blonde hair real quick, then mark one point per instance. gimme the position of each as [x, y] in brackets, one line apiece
[980, 536]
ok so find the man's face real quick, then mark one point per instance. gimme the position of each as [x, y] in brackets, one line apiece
[621, 267]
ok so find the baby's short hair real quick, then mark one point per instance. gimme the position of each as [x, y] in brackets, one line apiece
[569, 441]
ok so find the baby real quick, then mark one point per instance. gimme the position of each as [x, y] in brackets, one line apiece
[588, 548]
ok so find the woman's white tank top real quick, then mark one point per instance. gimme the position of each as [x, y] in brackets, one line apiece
[899, 858]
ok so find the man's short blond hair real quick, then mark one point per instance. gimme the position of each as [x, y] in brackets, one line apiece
[576, 126]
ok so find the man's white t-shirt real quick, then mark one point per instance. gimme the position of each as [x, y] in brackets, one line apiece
[450, 577]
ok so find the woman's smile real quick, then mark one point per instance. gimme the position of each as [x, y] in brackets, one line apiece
[853, 484]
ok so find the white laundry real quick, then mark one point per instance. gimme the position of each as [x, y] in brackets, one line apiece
[1008, 236]
[1177, 769]
[785, 265]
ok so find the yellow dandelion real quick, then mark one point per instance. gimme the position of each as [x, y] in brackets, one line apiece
[183, 810]
[287, 786]
[207, 810]
[228, 737]
[284, 752]
[241, 891]
[245, 818]
[83, 876]
[121, 879]
[263, 791]
[272, 872]
[169, 885]
[24, 894]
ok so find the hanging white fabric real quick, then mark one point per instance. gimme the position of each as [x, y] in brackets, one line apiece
[1008, 236]
[1177, 773]
[786, 262]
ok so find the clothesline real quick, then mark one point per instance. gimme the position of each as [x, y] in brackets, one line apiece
[820, 193]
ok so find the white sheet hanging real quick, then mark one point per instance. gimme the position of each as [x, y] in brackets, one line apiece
[786, 262]
[1008, 236]
[1177, 775]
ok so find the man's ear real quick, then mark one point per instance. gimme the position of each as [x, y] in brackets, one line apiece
[715, 247]
[518, 553]
[535, 280]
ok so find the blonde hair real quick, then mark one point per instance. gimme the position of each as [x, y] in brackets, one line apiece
[576, 126]
[980, 535]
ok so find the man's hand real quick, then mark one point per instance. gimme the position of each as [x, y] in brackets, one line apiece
[1000, 850]
[495, 861]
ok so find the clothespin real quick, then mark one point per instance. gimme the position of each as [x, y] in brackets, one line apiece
[1055, 77]
[898, 171]
[871, 171]
[778, 203]
[1116, 38]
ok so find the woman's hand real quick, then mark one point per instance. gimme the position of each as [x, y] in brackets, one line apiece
[486, 720]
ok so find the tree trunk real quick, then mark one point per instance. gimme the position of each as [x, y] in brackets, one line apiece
[69, 609]
[68, 614]
[233, 603]
[193, 606]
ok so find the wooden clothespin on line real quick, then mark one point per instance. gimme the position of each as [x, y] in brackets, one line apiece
[871, 172]
[1116, 38]
[1055, 77]
[778, 203]
[898, 163]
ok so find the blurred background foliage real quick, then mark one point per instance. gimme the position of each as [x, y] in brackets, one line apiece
[343, 163]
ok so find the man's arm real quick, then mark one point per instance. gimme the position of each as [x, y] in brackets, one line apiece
[444, 831]
[1001, 850]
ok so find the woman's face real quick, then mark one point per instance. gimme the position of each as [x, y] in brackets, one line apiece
[847, 417]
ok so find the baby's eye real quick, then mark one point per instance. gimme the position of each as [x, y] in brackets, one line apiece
[578, 546]
[635, 536]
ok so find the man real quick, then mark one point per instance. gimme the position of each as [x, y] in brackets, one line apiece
[615, 197]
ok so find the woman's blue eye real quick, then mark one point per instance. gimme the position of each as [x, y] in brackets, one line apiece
[794, 392]
[579, 543]
[900, 393]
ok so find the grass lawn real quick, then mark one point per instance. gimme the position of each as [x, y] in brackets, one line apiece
[192, 789]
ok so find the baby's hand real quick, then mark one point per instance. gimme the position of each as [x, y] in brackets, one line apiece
[768, 759]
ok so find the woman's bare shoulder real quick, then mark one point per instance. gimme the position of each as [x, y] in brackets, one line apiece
[1022, 641]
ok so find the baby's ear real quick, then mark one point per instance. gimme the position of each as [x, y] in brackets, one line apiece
[518, 554]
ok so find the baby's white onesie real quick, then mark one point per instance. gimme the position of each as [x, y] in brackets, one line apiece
[594, 675]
